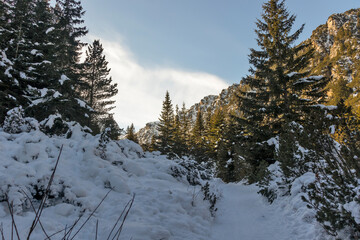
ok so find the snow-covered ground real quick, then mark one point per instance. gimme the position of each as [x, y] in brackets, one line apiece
[243, 214]
[165, 207]
[246, 215]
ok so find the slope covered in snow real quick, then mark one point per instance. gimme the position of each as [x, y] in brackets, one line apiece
[165, 207]
[168, 204]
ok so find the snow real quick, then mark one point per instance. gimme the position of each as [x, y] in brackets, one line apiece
[164, 207]
[4, 59]
[49, 30]
[36, 52]
[332, 129]
[43, 92]
[317, 78]
[12, 97]
[274, 142]
[292, 74]
[49, 121]
[57, 94]
[81, 103]
[309, 79]
[23, 75]
[322, 106]
[63, 78]
[7, 72]
[354, 208]
[244, 214]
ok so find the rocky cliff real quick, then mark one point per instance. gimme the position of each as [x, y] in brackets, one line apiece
[337, 55]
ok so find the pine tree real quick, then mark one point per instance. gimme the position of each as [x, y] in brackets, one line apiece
[198, 141]
[279, 92]
[185, 128]
[130, 133]
[198, 130]
[42, 76]
[16, 18]
[110, 123]
[152, 147]
[229, 169]
[41, 69]
[19, 28]
[23, 46]
[69, 15]
[42, 49]
[339, 91]
[99, 87]
[65, 60]
[179, 145]
[214, 133]
[207, 120]
[165, 141]
[337, 174]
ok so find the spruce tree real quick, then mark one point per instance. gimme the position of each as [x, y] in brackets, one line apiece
[214, 133]
[337, 177]
[69, 29]
[165, 141]
[15, 20]
[25, 49]
[185, 128]
[99, 87]
[152, 146]
[229, 169]
[67, 50]
[42, 74]
[198, 130]
[41, 69]
[130, 133]
[44, 49]
[279, 91]
[179, 145]
[198, 141]
[339, 91]
[110, 123]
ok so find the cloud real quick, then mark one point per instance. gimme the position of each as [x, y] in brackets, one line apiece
[142, 89]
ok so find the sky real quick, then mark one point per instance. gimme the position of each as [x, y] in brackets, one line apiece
[192, 48]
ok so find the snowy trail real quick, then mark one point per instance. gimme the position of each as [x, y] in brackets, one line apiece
[243, 215]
